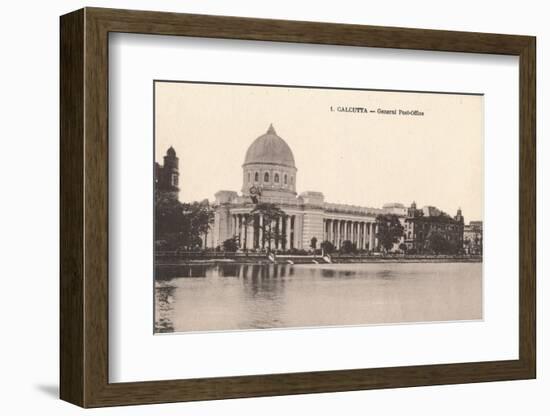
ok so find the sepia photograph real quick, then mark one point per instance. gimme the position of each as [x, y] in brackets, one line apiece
[280, 207]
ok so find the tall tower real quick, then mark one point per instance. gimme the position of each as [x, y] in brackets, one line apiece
[412, 211]
[167, 175]
[459, 218]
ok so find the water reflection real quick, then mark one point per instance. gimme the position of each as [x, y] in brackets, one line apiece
[163, 308]
[216, 297]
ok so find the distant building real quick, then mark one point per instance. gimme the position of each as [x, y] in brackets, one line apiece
[395, 208]
[422, 226]
[167, 175]
[473, 238]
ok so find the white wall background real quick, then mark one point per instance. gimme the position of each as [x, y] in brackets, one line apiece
[29, 159]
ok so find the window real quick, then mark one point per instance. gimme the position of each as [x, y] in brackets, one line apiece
[248, 177]
[286, 179]
[292, 180]
[256, 176]
[174, 179]
[276, 178]
[266, 177]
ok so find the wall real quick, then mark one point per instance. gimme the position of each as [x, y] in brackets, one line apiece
[29, 220]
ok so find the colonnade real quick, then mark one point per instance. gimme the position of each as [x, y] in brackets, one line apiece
[360, 233]
[253, 232]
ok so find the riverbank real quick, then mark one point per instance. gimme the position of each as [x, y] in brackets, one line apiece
[239, 258]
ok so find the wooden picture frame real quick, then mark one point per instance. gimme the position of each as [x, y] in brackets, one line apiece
[84, 207]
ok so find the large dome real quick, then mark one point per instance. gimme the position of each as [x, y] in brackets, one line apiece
[269, 149]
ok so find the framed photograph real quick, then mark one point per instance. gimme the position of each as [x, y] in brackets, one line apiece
[256, 207]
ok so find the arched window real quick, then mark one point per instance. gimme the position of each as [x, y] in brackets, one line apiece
[248, 177]
[292, 180]
[276, 178]
[256, 176]
[266, 177]
[286, 179]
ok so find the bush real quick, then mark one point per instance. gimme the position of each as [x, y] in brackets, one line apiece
[328, 247]
[297, 252]
[348, 247]
[230, 245]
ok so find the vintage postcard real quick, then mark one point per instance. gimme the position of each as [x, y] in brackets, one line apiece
[298, 207]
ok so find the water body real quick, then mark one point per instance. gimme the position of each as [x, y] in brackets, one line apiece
[249, 296]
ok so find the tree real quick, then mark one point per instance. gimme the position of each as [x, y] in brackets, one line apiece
[327, 247]
[438, 244]
[467, 245]
[272, 215]
[199, 216]
[403, 247]
[347, 247]
[180, 226]
[390, 230]
[313, 243]
[230, 245]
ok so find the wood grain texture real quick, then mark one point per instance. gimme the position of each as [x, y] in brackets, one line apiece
[71, 213]
[84, 204]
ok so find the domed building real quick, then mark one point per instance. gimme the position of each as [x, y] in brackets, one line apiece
[269, 176]
[269, 164]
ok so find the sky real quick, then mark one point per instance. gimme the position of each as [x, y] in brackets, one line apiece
[360, 158]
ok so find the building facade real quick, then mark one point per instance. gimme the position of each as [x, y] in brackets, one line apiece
[423, 225]
[473, 238]
[269, 176]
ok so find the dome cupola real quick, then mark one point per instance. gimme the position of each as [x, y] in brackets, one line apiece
[269, 165]
[269, 148]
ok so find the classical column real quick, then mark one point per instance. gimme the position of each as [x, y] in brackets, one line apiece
[337, 233]
[292, 231]
[261, 231]
[365, 234]
[298, 231]
[375, 238]
[250, 235]
[287, 232]
[237, 229]
[371, 236]
[278, 227]
[254, 232]
[344, 232]
[241, 236]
